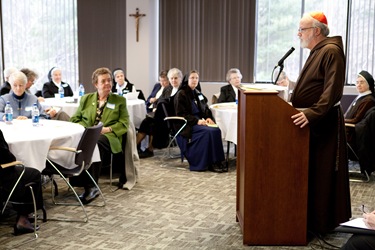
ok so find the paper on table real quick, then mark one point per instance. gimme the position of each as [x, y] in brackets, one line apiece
[358, 223]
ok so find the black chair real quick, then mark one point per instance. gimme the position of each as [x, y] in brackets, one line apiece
[346, 100]
[141, 95]
[83, 154]
[28, 186]
[361, 147]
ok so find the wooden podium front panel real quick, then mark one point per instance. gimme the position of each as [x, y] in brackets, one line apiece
[272, 171]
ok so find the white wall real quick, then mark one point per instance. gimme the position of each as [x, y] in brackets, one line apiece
[142, 56]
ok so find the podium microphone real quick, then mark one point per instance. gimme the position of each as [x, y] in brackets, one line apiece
[281, 62]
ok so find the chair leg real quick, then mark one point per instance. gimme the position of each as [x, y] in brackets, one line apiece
[100, 191]
[228, 149]
[35, 214]
[14, 187]
[367, 179]
[111, 174]
[73, 190]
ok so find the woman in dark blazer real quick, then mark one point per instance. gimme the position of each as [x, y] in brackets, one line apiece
[200, 141]
[229, 93]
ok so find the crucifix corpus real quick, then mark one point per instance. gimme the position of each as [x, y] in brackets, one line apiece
[137, 16]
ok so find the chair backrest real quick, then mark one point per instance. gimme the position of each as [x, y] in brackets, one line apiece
[141, 95]
[87, 144]
[168, 109]
[176, 124]
[215, 97]
[346, 100]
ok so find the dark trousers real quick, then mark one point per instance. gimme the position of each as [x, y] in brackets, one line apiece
[360, 242]
[8, 178]
[83, 180]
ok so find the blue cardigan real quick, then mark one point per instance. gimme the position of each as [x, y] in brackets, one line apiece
[21, 107]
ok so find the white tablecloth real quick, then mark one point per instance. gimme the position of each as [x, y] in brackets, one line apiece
[225, 115]
[136, 108]
[137, 111]
[67, 104]
[31, 144]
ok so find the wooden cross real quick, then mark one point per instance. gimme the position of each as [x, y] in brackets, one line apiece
[137, 16]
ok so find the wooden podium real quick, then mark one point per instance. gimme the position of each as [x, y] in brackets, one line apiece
[272, 171]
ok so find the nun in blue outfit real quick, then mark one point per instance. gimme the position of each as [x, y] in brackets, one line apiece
[199, 142]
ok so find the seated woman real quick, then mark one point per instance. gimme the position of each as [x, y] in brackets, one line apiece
[8, 177]
[5, 88]
[120, 83]
[229, 93]
[200, 143]
[20, 101]
[52, 87]
[154, 121]
[361, 104]
[365, 99]
[110, 109]
[54, 115]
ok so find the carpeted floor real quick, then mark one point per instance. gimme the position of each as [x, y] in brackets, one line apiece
[169, 208]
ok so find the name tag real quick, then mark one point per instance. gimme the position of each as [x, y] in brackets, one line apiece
[110, 105]
[65, 85]
[200, 97]
[29, 108]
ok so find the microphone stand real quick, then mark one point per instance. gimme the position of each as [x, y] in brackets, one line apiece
[278, 75]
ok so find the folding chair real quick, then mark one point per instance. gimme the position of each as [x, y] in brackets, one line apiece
[27, 186]
[83, 154]
[175, 125]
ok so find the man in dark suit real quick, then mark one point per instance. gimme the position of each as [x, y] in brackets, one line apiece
[229, 93]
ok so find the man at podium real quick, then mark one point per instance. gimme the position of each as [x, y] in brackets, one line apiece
[317, 93]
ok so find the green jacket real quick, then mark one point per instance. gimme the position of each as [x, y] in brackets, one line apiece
[115, 115]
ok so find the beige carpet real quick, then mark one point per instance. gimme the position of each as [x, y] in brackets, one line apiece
[169, 208]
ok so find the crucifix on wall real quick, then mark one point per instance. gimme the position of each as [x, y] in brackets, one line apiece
[137, 16]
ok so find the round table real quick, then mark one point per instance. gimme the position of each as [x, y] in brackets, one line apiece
[225, 115]
[31, 144]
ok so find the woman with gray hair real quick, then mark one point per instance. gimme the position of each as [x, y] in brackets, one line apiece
[229, 93]
[154, 124]
[20, 101]
[5, 88]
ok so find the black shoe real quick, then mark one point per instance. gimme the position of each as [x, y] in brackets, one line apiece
[89, 195]
[215, 168]
[145, 154]
[18, 230]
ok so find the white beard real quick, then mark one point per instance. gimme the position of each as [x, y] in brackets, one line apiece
[305, 43]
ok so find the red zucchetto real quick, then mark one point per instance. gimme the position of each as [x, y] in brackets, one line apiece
[319, 16]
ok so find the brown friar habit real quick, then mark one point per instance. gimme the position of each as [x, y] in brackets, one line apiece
[319, 89]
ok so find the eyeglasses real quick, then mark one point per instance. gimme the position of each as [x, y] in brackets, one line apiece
[300, 30]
